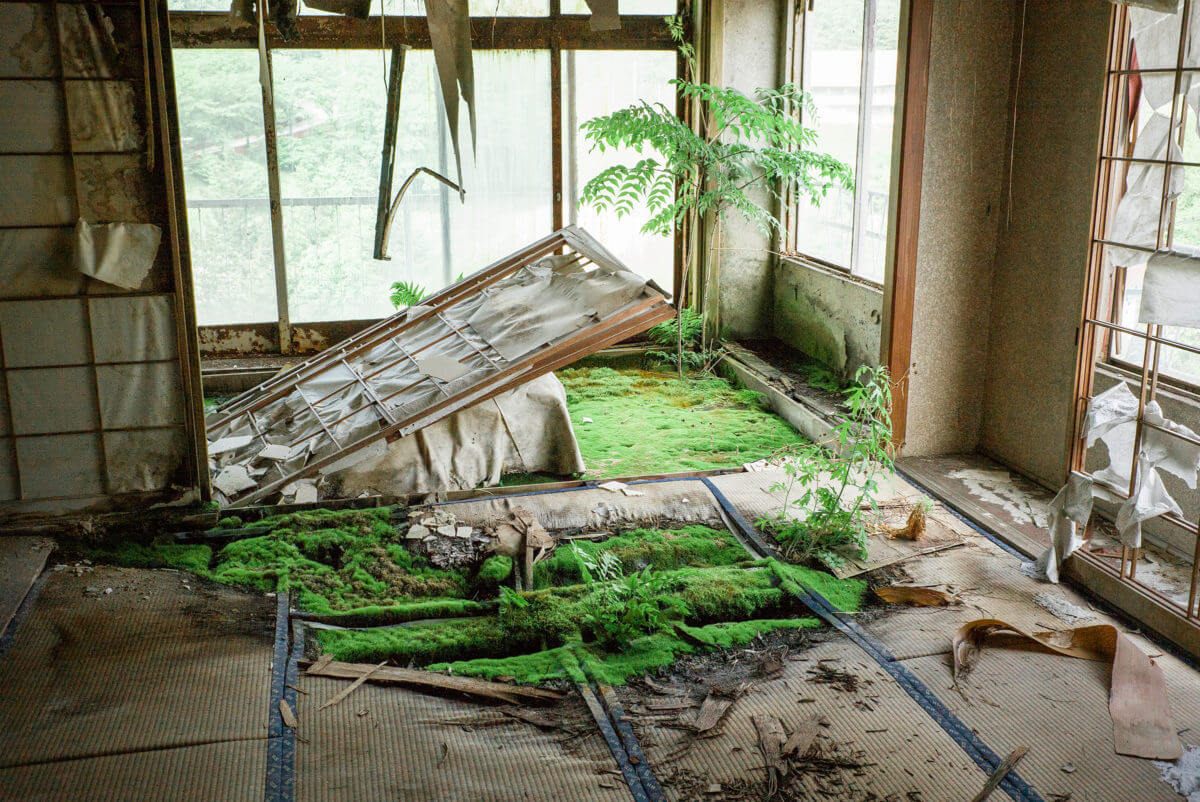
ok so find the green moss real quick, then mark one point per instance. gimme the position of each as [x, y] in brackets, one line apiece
[422, 643]
[643, 548]
[495, 569]
[847, 595]
[646, 421]
[193, 558]
[229, 522]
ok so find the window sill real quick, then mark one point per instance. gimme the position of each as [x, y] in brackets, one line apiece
[828, 270]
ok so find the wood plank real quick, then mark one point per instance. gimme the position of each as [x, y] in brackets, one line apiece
[428, 680]
[21, 562]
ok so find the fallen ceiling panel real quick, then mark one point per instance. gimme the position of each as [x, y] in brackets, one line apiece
[537, 310]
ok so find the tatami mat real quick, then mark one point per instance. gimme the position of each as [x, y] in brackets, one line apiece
[1058, 707]
[118, 660]
[393, 743]
[903, 753]
[232, 771]
[21, 560]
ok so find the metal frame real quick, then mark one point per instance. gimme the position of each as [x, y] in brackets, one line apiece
[556, 33]
[793, 58]
[1098, 324]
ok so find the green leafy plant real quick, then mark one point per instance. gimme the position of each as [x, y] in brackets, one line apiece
[828, 489]
[410, 293]
[744, 146]
[627, 607]
[688, 329]
[405, 293]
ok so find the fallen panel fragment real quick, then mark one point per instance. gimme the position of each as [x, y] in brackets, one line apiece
[524, 316]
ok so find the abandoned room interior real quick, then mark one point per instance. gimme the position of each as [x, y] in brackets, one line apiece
[593, 399]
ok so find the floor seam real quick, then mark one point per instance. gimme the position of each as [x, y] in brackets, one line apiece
[119, 752]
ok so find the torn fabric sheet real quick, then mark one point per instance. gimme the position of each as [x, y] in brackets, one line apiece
[1137, 700]
[450, 35]
[1165, 451]
[1150, 499]
[1109, 410]
[1171, 292]
[229, 444]
[1069, 512]
[604, 15]
[116, 253]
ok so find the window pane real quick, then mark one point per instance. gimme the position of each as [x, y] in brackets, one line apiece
[477, 8]
[624, 7]
[330, 108]
[225, 180]
[833, 39]
[874, 184]
[604, 82]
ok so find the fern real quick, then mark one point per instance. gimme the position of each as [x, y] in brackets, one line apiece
[405, 293]
[747, 144]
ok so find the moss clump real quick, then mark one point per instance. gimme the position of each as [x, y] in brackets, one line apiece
[578, 661]
[181, 557]
[646, 421]
[643, 548]
[495, 569]
[846, 595]
[422, 643]
[230, 522]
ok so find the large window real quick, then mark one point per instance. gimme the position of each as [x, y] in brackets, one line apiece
[1153, 183]
[847, 62]
[329, 108]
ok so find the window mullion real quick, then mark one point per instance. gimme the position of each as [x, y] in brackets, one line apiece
[866, 92]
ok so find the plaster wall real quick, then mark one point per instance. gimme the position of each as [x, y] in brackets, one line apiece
[749, 60]
[962, 202]
[828, 317]
[1041, 263]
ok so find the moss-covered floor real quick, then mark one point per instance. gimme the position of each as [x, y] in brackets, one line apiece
[632, 421]
[353, 568]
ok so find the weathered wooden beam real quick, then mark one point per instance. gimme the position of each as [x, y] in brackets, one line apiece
[219, 30]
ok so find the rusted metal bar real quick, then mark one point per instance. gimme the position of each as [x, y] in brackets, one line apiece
[218, 30]
[387, 164]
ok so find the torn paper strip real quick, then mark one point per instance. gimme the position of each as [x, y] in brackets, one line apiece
[450, 35]
[1171, 292]
[444, 368]
[274, 451]
[1167, 451]
[620, 487]
[120, 254]
[1069, 513]
[1149, 500]
[228, 444]
[233, 480]
[1109, 410]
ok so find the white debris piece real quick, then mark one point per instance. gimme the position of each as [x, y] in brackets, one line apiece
[1149, 500]
[620, 487]
[417, 532]
[1060, 607]
[463, 531]
[229, 444]
[1184, 774]
[588, 420]
[1069, 511]
[275, 451]
[234, 479]
[306, 492]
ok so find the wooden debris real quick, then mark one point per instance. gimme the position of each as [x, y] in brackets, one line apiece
[712, 710]
[914, 527]
[320, 664]
[1000, 773]
[428, 680]
[917, 597]
[350, 688]
[799, 741]
[285, 712]
[770, 743]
